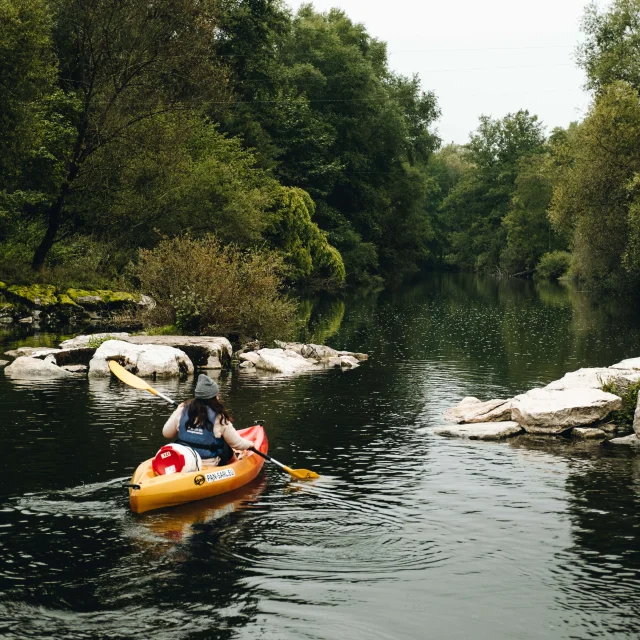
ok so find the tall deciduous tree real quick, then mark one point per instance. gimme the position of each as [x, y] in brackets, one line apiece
[125, 64]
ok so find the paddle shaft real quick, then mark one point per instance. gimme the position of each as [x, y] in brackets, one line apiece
[167, 398]
[269, 458]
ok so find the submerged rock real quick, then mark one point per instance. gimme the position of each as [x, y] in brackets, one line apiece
[25, 367]
[143, 360]
[481, 431]
[554, 411]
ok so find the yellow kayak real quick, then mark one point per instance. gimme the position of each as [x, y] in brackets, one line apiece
[149, 491]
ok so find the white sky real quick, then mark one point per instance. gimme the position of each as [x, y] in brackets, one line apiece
[488, 57]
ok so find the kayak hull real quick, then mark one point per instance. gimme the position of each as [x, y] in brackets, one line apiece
[149, 491]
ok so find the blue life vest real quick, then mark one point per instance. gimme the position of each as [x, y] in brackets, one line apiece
[200, 437]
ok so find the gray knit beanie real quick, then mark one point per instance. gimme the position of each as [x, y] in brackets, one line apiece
[206, 388]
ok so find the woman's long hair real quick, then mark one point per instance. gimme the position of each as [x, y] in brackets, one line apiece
[198, 415]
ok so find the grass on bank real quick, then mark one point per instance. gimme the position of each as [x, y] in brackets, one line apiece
[623, 418]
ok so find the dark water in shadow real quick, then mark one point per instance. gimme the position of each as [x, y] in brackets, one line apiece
[406, 535]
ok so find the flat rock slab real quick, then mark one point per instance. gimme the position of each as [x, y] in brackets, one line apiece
[31, 352]
[282, 361]
[29, 368]
[471, 410]
[84, 340]
[482, 431]
[627, 441]
[554, 411]
[147, 361]
[4, 362]
[595, 378]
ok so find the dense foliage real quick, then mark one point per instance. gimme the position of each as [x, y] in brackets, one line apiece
[514, 201]
[203, 287]
[122, 123]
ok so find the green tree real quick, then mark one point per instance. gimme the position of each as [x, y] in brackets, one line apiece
[611, 49]
[126, 65]
[474, 210]
[34, 134]
[597, 195]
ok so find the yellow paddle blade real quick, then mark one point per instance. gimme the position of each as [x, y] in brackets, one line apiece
[301, 474]
[128, 378]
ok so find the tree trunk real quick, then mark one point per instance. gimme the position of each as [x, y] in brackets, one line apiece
[54, 218]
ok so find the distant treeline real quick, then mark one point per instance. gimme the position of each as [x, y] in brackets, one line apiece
[513, 201]
[123, 123]
[126, 124]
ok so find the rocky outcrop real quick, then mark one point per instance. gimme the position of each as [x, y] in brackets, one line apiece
[471, 410]
[296, 357]
[481, 431]
[553, 412]
[319, 352]
[282, 361]
[144, 360]
[25, 367]
[46, 305]
[206, 352]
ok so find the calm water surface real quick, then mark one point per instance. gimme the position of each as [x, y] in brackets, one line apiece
[406, 535]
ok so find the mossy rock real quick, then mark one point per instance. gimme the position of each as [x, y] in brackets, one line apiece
[103, 297]
[65, 300]
[35, 295]
[2, 285]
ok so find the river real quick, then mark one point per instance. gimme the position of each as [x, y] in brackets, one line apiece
[405, 535]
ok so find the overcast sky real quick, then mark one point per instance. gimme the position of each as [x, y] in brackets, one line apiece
[488, 57]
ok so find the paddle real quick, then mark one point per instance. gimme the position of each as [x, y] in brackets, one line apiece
[298, 474]
[138, 383]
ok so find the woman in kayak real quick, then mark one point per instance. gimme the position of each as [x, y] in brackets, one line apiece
[203, 424]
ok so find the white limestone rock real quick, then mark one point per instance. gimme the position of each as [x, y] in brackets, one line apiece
[4, 362]
[555, 411]
[31, 352]
[83, 340]
[282, 361]
[144, 360]
[628, 441]
[481, 431]
[25, 367]
[348, 362]
[630, 364]
[595, 378]
[471, 410]
[251, 356]
[205, 352]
